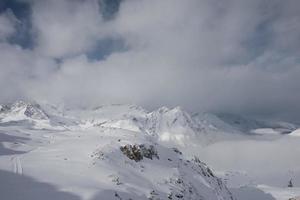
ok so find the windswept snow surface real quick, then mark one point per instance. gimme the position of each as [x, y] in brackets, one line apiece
[47, 152]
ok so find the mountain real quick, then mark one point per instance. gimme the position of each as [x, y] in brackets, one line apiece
[167, 125]
[21, 110]
[109, 152]
[23, 113]
[122, 151]
[33, 115]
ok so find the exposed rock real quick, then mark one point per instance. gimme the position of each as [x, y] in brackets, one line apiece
[295, 198]
[34, 111]
[138, 152]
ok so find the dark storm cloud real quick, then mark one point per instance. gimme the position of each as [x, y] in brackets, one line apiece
[224, 56]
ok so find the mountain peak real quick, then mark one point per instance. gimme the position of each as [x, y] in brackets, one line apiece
[24, 113]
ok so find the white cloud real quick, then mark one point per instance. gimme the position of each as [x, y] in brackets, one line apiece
[7, 25]
[66, 28]
[268, 161]
[235, 56]
[21, 71]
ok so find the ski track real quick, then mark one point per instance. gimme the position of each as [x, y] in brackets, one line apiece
[17, 165]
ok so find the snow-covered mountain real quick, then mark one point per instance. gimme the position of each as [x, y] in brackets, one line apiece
[33, 115]
[161, 122]
[111, 152]
[21, 111]
[116, 151]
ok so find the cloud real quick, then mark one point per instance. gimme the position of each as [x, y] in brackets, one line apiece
[7, 25]
[255, 157]
[21, 71]
[66, 28]
[223, 56]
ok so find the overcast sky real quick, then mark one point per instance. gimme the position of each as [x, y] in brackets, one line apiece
[240, 56]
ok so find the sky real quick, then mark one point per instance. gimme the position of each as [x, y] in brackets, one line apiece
[235, 56]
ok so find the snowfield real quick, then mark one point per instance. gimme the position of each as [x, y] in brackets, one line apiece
[125, 152]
